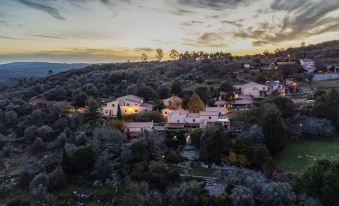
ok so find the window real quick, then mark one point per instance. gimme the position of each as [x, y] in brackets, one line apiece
[136, 110]
[136, 104]
[165, 112]
[263, 88]
[209, 117]
[125, 110]
[193, 120]
[142, 129]
[127, 130]
[127, 104]
[178, 121]
[113, 105]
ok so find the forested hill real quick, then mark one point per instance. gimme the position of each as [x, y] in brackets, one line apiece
[33, 69]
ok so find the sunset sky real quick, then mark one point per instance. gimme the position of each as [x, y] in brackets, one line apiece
[117, 30]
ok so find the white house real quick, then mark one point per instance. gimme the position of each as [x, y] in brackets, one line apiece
[252, 89]
[182, 118]
[129, 104]
[134, 129]
[308, 64]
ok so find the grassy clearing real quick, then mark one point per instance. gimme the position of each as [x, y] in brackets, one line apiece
[301, 154]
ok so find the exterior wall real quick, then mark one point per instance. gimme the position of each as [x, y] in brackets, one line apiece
[209, 118]
[192, 120]
[177, 117]
[111, 109]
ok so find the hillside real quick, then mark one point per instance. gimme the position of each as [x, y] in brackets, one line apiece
[17, 70]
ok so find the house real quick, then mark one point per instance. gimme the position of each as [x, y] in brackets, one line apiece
[183, 119]
[173, 102]
[165, 112]
[176, 118]
[129, 104]
[220, 103]
[252, 89]
[242, 103]
[134, 129]
[308, 64]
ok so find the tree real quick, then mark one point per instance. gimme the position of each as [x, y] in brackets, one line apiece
[214, 143]
[119, 114]
[241, 196]
[93, 110]
[144, 57]
[275, 132]
[322, 181]
[285, 105]
[50, 72]
[195, 104]
[317, 128]
[103, 167]
[176, 88]
[147, 92]
[326, 106]
[225, 87]
[204, 94]
[80, 100]
[174, 54]
[159, 54]
[277, 193]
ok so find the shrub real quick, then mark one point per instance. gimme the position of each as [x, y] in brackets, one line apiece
[56, 179]
[174, 138]
[195, 136]
[83, 159]
[29, 172]
[11, 117]
[103, 167]
[30, 133]
[278, 193]
[40, 179]
[172, 157]
[38, 196]
[317, 128]
[45, 132]
[242, 196]
[38, 145]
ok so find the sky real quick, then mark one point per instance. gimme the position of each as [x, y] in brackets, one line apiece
[100, 31]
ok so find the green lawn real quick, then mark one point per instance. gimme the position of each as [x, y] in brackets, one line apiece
[299, 155]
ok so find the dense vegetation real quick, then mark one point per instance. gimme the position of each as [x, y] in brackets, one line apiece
[47, 151]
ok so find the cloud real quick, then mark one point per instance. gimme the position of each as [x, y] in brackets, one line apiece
[234, 23]
[192, 23]
[214, 4]
[207, 39]
[300, 19]
[47, 36]
[43, 7]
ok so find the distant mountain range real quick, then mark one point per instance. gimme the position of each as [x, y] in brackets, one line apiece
[17, 70]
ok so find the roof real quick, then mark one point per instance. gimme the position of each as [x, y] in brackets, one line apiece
[243, 101]
[220, 102]
[248, 85]
[138, 124]
[193, 115]
[209, 113]
[175, 125]
[181, 111]
[145, 104]
[215, 109]
[132, 98]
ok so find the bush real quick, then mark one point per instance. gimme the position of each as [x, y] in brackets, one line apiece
[30, 133]
[29, 172]
[172, 157]
[56, 179]
[145, 117]
[38, 196]
[317, 128]
[11, 117]
[38, 145]
[195, 136]
[322, 181]
[83, 159]
[242, 196]
[277, 193]
[103, 167]
[174, 138]
[45, 132]
[40, 179]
